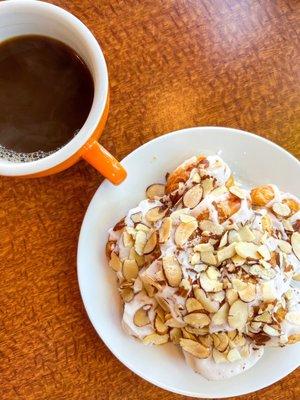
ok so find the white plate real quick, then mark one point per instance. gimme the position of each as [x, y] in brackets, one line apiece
[254, 160]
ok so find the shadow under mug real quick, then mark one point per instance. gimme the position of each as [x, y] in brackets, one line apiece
[23, 17]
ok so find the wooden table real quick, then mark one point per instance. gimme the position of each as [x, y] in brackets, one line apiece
[172, 64]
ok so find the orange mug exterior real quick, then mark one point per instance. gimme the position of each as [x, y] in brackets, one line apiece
[94, 154]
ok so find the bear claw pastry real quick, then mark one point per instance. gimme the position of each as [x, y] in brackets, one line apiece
[210, 266]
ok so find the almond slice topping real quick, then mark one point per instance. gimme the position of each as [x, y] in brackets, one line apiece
[156, 339]
[238, 315]
[210, 285]
[193, 304]
[247, 294]
[165, 230]
[175, 335]
[218, 356]
[184, 231]
[202, 247]
[208, 305]
[137, 217]
[151, 243]
[295, 240]
[284, 246]
[223, 240]
[269, 330]
[280, 209]
[155, 190]
[247, 250]
[127, 294]
[141, 317]
[233, 355]
[264, 252]
[172, 270]
[127, 239]
[140, 242]
[194, 348]
[160, 327]
[193, 196]
[209, 258]
[115, 263]
[130, 270]
[209, 226]
[221, 341]
[156, 213]
[197, 320]
[220, 317]
[226, 252]
[246, 234]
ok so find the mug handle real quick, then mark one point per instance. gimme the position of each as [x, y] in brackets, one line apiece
[104, 162]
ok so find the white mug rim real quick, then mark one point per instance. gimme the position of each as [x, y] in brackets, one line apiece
[100, 96]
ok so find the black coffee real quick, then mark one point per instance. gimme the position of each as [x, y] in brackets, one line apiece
[46, 93]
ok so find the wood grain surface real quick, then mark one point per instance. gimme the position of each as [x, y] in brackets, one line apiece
[172, 64]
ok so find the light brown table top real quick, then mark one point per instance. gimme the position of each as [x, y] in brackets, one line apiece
[172, 64]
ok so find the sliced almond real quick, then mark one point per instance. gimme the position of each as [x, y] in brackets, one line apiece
[210, 285]
[197, 320]
[127, 294]
[209, 226]
[159, 325]
[115, 263]
[133, 255]
[203, 247]
[238, 261]
[165, 230]
[150, 244]
[194, 348]
[233, 355]
[293, 317]
[296, 277]
[141, 317]
[196, 178]
[206, 340]
[174, 323]
[238, 340]
[155, 190]
[127, 239]
[231, 296]
[193, 196]
[195, 259]
[197, 331]
[209, 258]
[193, 304]
[130, 270]
[175, 335]
[294, 338]
[247, 250]
[156, 339]
[269, 330]
[187, 335]
[185, 284]
[155, 214]
[218, 356]
[226, 252]
[172, 270]
[248, 294]
[238, 315]
[264, 317]
[220, 317]
[246, 234]
[207, 186]
[280, 209]
[264, 252]
[295, 240]
[140, 242]
[213, 273]
[142, 227]
[185, 218]
[233, 236]
[223, 240]
[284, 246]
[245, 351]
[184, 231]
[208, 305]
[163, 303]
[221, 341]
[137, 217]
[238, 192]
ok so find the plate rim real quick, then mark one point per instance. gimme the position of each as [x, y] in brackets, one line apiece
[126, 158]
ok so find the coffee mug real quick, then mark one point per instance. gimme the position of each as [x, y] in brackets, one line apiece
[24, 17]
